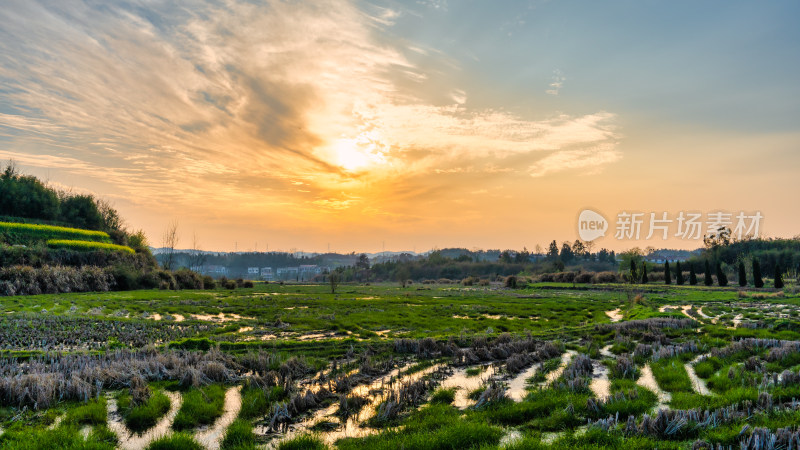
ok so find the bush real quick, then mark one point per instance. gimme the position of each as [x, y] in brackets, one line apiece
[605, 277]
[584, 277]
[142, 417]
[247, 284]
[511, 282]
[25, 280]
[564, 277]
[230, 284]
[187, 279]
[209, 283]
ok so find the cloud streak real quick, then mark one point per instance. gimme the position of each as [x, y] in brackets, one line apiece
[233, 102]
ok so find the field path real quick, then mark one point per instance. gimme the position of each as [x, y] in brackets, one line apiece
[211, 438]
[565, 359]
[600, 384]
[517, 386]
[129, 440]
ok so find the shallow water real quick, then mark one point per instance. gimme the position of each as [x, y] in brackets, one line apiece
[375, 391]
[565, 359]
[464, 384]
[600, 384]
[211, 438]
[132, 441]
[648, 381]
[615, 315]
[698, 383]
[517, 386]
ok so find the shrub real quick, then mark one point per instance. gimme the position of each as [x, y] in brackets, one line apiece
[187, 279]
[247, 284]
[511, 282]
[239, 436]
[209, 283]
[230, 284]
[445, 396]
[605, 277]
[584, 277]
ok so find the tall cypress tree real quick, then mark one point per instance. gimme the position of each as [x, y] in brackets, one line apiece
[678, 274]
[667, 273]
[742, 275]
[757, 281]
[692, 275]
[634, 277]
[644, 273]
[708, 281]
[722, 279]
[778, 277]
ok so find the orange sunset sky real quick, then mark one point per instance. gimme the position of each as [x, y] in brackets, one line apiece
[412, 125]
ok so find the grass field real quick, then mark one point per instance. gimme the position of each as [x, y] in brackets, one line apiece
[26, 232]
[423, 367]
[87, 245]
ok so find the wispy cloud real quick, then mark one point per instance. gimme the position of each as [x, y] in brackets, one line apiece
[557, 83]
[235, 103]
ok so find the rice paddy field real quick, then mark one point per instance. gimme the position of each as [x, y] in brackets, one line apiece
[384, 367]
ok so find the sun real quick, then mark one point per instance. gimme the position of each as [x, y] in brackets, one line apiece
[360, 153]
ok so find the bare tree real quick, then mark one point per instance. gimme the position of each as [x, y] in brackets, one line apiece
[168, 241]
[333, 278]
[198, 258]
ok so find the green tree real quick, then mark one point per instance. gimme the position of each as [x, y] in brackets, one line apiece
[644, 273]
[667, 273]
[722, 279]
[552, 251]
[81, 211]
[333, 280]
[692, 275]
[678, 274]
[634, 275]
[742, 275]
[778, 277]
[757, 280]
[708, 280]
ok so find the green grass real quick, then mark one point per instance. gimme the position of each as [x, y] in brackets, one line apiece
[87, 245]
[303, 442]
[35, 232]
[256, 402]
[239, 436]
[200, 407]
[671, 375]
[434, 427]
[63, 437]
[91, 413]
[444, 396]
[175, 441]
[143, 417]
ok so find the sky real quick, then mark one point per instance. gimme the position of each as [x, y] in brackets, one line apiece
[364, 126]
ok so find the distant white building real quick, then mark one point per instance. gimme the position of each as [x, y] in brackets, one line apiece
[288, 273]
[266, 274]
[215, 270]
[253, 271]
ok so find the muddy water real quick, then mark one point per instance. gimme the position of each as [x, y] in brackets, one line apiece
[648, 381]
[600, 384]
[565, 359]
[615, 315]
[132, 441]
[698, 383]
[375, 392]
[212, 437]
[465, 384]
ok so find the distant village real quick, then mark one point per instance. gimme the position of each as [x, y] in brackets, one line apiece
[304, 272]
